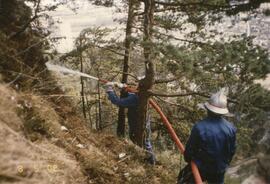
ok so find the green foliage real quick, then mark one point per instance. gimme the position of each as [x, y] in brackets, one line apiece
[106, 3]
[245, 142]
[234, 65]
[13, 13]
[21, 57]
[255, 96]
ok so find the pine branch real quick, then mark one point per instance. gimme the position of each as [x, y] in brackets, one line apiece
[175, 104]
[230, 9]
[181, 39]
[129, 74]
[75, 52]
[185, 94]
[201, 3]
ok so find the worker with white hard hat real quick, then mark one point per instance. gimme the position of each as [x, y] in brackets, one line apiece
[212, 143]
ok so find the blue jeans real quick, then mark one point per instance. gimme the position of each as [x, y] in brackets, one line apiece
[147, 143]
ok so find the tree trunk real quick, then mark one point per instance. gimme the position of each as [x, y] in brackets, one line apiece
[146, 83]
[121, 112]
[99, 105]
[89, 112]
[97, 117]
[82, 86]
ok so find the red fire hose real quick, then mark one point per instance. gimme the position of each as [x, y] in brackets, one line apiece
[180, 146]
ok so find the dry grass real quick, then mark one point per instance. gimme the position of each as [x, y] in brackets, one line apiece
[23, 161]
[34, 149]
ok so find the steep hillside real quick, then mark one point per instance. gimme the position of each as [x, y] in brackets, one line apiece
[46, 142]
[44, 139]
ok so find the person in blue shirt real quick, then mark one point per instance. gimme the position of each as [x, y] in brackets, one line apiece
[211, 145]
[131, 103]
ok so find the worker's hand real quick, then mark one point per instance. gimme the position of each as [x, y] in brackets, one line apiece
[120, 85]
[109, 86]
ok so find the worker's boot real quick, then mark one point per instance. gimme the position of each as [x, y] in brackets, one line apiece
[151, 159]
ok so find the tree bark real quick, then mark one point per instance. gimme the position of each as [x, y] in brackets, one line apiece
[146, 83]
[121, 112]
[82, 86]
[97, 115]
[99, 105]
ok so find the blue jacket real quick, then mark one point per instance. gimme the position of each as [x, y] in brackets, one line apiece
[130, 102]
[212, 144]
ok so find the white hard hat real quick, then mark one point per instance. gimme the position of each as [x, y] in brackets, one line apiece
[217, 103]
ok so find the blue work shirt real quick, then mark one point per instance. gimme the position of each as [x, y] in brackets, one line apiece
[130, 102]
[211, 145]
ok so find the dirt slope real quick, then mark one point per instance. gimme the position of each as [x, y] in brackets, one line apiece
[45, 141]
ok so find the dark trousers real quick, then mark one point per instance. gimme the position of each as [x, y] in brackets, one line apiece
[186, 176]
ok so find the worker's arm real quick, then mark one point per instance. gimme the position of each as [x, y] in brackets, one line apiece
[129, 101]
[192, 145]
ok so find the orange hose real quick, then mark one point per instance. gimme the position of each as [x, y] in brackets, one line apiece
[168, 125]
[103, 81]
[180, 146]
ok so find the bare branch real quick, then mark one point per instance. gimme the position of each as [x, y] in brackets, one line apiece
[185, 94]
[111, 50]
[129, 74]
[175, 104]
[178, 94]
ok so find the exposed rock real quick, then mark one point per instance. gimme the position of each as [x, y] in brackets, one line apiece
[254, 179]
[264, 167]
